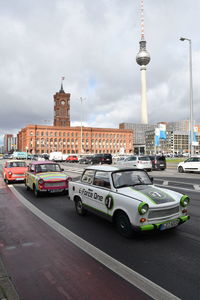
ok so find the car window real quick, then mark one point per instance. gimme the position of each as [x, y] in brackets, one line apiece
[145, 158]
[16, 164]
[130, 178]
[32, 168]
[131, 158]
[196, 159]
[88, 176]
[47, 168]
[161, 158]
[102, 179]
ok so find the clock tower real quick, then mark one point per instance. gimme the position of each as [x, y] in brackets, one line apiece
[61, 108]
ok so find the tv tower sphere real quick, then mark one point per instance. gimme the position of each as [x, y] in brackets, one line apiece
[143, 57]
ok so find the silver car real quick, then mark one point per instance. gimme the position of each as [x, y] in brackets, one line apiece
[137, 161]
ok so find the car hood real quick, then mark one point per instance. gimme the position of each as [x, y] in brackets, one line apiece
[150, 194]
[52, 176]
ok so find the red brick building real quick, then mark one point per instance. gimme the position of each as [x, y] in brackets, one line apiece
[61, 137]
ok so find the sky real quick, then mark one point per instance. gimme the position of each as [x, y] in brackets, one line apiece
[94, 44]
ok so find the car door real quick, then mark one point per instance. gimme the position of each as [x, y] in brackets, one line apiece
[130, 161]
[189, 164]
[196, 164]
[30, 176]
[101, 192]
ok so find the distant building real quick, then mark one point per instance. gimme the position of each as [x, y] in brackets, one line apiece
[176, 142]
[46, 139]
[62, 137]
[10, 143]
[138, 134]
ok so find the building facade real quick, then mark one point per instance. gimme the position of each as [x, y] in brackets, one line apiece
[38, 139]
[10, 143]
[176, 142]
[61, 108]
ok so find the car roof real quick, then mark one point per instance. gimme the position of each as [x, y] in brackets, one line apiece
[111, 168]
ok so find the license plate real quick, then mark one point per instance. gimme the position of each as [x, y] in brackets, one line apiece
[161, 165]
[56, 191]
[19, 179]
[169, 225]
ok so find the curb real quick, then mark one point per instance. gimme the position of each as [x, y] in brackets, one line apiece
[7, 289]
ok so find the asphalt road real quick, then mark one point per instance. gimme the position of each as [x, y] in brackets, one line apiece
[170, 259]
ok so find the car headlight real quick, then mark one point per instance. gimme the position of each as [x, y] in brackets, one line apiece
[9, 173]
[40, 181]
[184, 200]
[143, 208]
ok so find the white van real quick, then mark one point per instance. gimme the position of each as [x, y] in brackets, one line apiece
[56, 156]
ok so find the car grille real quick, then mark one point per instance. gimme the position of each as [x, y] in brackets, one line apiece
[163, 213]
[54, 184]
[18, 175]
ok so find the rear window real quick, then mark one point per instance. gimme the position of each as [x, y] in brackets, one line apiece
[160, 158]
[145, 158]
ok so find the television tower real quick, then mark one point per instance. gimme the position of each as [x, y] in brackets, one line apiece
[143, 58]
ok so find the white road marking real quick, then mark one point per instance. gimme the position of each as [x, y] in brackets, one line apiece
[165, 182]
[196, 187]
[134, 278]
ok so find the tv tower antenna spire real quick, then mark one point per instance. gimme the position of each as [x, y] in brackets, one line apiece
[142, 59]
[142, 19]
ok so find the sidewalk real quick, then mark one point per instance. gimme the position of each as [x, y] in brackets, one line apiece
[43, 265]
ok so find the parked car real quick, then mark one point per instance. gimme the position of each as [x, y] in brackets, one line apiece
[135, 161]
[191, 164]
[128, 198]
[85, 159]
[158, 162]
[101, 158]
[46, 176]
[72, 158]
[14, 170]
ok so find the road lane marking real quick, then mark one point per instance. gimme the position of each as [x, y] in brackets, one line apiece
[196, 187]
[147, 286]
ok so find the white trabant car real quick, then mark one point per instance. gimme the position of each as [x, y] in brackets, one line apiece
[127, 197]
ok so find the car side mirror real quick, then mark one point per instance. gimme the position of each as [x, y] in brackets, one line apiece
[151, 178]
[62, 169]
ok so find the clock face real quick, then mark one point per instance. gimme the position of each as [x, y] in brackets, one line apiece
[63, 102]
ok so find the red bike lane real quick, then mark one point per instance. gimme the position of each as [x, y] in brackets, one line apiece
[42, 264]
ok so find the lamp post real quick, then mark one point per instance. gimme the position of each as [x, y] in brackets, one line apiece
[81, 124]
[191, 121]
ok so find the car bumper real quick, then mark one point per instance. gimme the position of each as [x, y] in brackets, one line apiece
[162, 226]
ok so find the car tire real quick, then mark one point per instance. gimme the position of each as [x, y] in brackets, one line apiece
[7, 181]
[81, 211]
[27, 187]
[180, 169]
[123, 225]
[36, 192]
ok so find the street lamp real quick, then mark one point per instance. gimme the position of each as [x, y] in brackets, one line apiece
[81, 123]
[191, 121]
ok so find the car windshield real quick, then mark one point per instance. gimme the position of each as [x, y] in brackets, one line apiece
[15, 164]
[47, 168]
[130, 178]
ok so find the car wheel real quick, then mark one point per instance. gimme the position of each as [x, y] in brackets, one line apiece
[7, 181]
[123, 225]
[36, 192]
[180, 169]
[81, 211]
